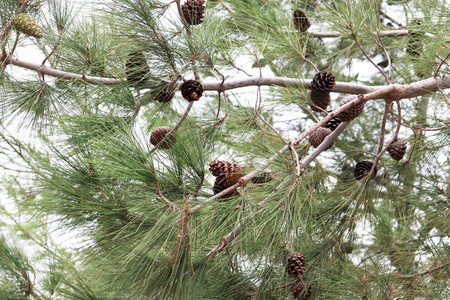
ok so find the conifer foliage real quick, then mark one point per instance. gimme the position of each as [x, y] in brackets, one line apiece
[234, 149]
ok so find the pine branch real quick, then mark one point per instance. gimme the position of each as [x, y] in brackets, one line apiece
[411, 90]
[423, 273]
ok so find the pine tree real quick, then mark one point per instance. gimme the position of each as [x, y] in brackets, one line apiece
[93, 207]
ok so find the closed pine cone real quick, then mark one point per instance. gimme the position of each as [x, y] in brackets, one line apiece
[193, 11]
[218, 187]
[300, 292]
[333, 123]
[158, 135]
[362, 168]
[352, 112]
[316, 138]
[25, 23]
[321, 86]
[136, 67]
[397, 148]
[227, 173]
[263, 177]
[301, 21]
[164, 94]
[296, 265]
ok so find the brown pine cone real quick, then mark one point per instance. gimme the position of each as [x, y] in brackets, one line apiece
[323, 82]
[316, 138]
[158, 134]
[296, 265]
[321, 86]
[301, 21]
[333, 123]
[193, 11]
[263, 177]
[227, 173]
[191, 90]
[320, 100]
[362, 168]
[397, 148]
[218, 187]
[164, 94]
[352, 112]
[136, 67]
[300, 292]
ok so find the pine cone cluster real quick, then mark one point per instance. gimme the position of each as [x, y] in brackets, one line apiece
[263, 177]
[316, 138]
[158, 135]
[227, 174]
[397, 148]
[136, 67]
[321, 86]
[296, 268]
[191, 90]
[193, 11]
[300, 292]
[301, 21]
[362, 168]
[352, 112]
[26, 24]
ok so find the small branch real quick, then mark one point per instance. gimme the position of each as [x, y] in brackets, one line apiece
[399, 108]
[420, 273]
[324, 145]
[367, 56]
[390, 33]
[164, 199]
[443, 94]
[295, 159]
[225, 241]
[383, 132]
[228, 7]
[440, 65]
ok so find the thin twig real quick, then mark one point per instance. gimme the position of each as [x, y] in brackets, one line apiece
[399, 114]
[367, 56]
[381, 45]
[164, 199]
[382, 134]
[443, 94]
[440, 65]
[295, 159]
[426, 272]
[228, 7]
[309, 112]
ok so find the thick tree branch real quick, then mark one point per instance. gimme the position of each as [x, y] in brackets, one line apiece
[411, 90]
